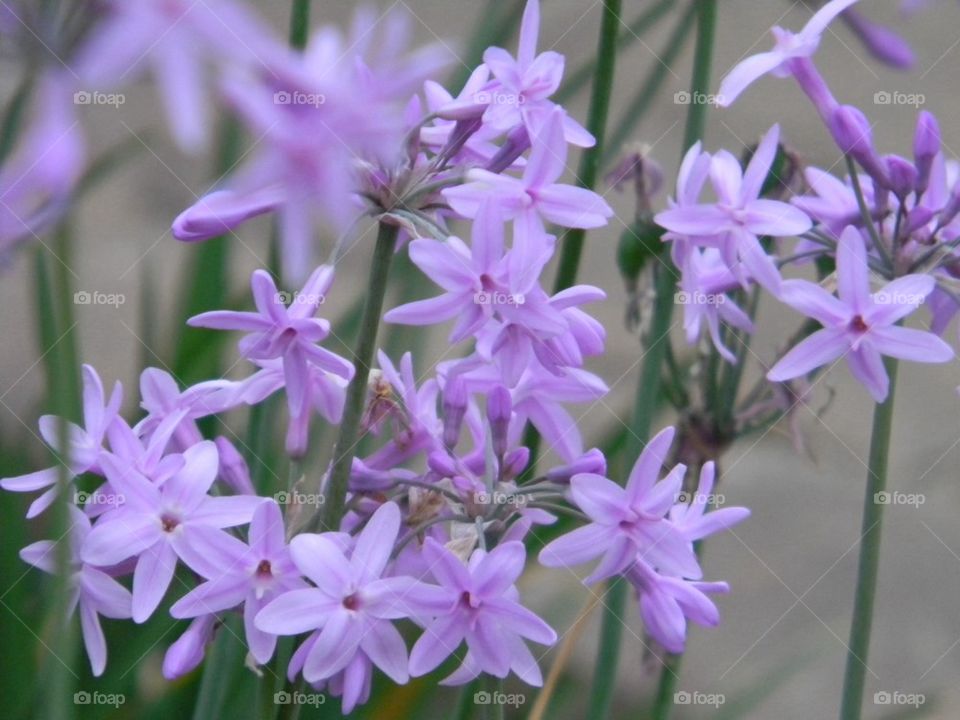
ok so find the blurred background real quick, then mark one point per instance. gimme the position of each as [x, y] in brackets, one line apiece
[779, 651]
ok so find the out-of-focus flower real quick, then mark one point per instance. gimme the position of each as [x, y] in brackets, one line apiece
[36, 182]
[179, 40]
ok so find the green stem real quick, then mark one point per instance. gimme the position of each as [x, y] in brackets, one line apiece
[58, 346]
[608, 654]
[357, 391]
[869, 560]
[643, 100]
[663, 310]
[572, 240]
[581, 76]
[596, 124]
[299, 24]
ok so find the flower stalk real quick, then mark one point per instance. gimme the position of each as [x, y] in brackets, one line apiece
[345, 449]
[869, 558]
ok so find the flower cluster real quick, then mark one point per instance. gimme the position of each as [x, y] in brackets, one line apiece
[443, 492]
[894, 218]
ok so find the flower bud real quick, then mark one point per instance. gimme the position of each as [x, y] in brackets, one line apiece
[233, 468]
[926, 145]
[518, 140]
[903, 175]
[187, 651]
[591, 461]
[851, 131]
[499, 411]
[454, 408]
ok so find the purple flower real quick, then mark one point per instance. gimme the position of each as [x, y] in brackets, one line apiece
[36, 182]
[692, 518]
[789, 46]
[703, 286]
[251, 573]
[518, 94]
[352, 605]
[883, 43]
[858, 325]
[83, 449]
[484, 612]
[628, 521]
[156, 524]
[161, 397]
[536, 194]
[538, 396]
[740, 216]
[289, 334]
[177, 38]
[667, 602]
[834, 203]
[93, 590]
[320, 116]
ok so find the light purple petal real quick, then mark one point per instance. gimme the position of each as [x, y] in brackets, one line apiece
[321, 560]
[647, 468]
[151, 578]
[745, 74]
[121, 536]
[909, 344]
[335, 647]
[600, 498]
[821, 348]
[384, 645]
[866, 365]
[440, 639]
[93, 639]
[577, 546]
[296, 612]
[516, 618]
